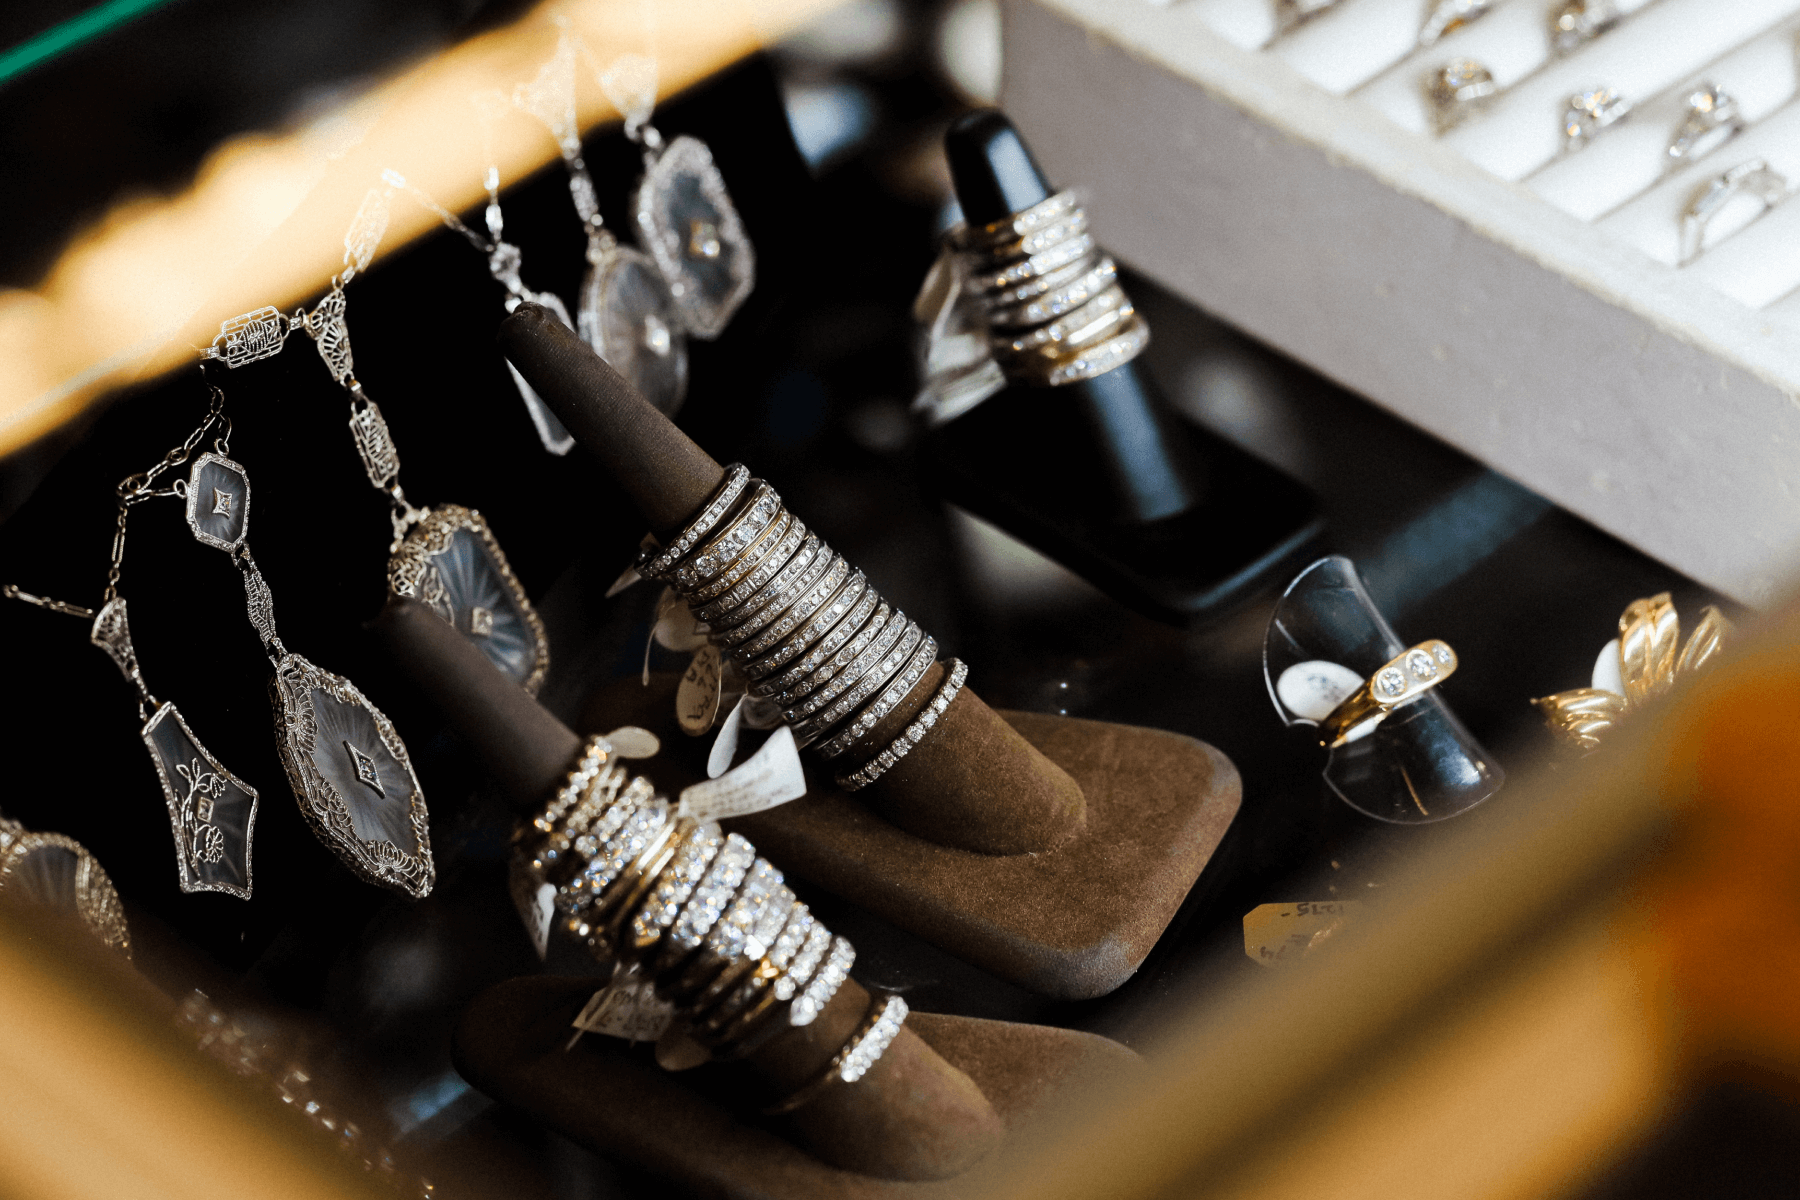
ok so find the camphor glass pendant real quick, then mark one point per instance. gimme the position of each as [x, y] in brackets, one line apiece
[212, 813]
[218, 502]
[347, 765]
[353, 778]
[630, 318]
[687, 222]
[447, 556]
[451, 562]
[58, 873]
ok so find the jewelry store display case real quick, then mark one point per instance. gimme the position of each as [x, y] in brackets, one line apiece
[1526, 308]
[1550, 992]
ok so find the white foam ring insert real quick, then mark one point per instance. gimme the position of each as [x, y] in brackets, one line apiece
[1633, 156]
[1519, 301]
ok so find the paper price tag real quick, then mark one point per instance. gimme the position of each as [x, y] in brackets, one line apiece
[770, 777]
[629, 741]
[1286, 932]
[697, 696]
[536, 903]
[631, 1011]
[676, 627]
[629, 577]
[724, 747]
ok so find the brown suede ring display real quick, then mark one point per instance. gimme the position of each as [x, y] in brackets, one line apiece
[513, 1043]
[971, 782]
[913, 1116]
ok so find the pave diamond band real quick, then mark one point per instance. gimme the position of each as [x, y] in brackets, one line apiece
[784, 596]
[774, 547]
[713, 928]
[654, 565]
[913, 734]
[859, 666]
[829, 628]
[898, 690]
[710, 560]
[802, 626]
[845, 640]
[885, 666]
[862, 1051]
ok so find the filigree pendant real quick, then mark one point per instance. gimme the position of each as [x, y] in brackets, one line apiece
[347, 765]
[212, 813]
[629, 316]
[687, 222]
[218, 502]
[451, 562]
[57, 872]
[352, 776]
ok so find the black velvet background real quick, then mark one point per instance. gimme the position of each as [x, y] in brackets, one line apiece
[422, 327]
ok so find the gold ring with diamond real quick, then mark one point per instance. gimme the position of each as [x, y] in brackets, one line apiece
[1395, 685]
[1579, 22]
[1457, 89]
[1589, 112]
[1445, 17]
[1712, 119]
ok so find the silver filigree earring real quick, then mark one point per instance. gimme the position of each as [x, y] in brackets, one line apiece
[349, 770]
[504, 262]
[684, 214]
[627, 311]
[445, 555]
[212, 813]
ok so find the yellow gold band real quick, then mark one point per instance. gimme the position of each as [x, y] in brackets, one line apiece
[1395, 684]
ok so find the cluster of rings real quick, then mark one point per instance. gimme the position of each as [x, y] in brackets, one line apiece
[712, 925]
[805, 628]
[1052, 303]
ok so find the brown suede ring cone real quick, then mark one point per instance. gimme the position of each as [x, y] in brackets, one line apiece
[694, 1129]
[913, 1116]
[974, 776]
[916, 1118]
[971, 782]
[527, 750]
[666, 475]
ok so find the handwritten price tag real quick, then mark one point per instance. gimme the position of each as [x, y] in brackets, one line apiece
[536, 902]
[631, 1011]
[697, 698]
[1287, 932]
[769, 777]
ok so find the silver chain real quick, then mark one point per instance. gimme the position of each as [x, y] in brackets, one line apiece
[135, 489]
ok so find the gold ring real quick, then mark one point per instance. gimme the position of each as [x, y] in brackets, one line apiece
[1398, 683]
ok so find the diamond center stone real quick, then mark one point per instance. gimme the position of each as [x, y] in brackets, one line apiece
[365, 769]
[703, 239]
